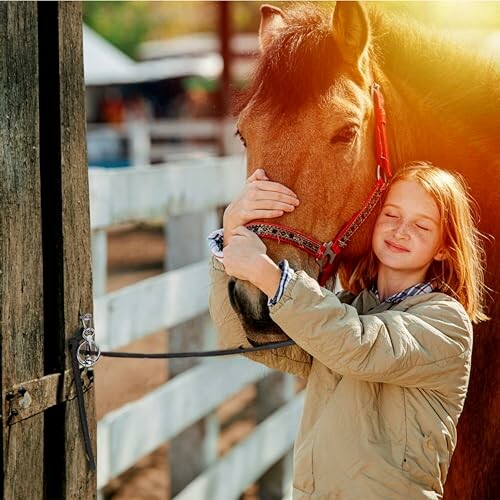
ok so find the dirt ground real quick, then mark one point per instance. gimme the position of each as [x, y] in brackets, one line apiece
[136, 253]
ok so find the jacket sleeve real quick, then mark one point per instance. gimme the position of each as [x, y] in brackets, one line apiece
[417, 347]
[230, 332]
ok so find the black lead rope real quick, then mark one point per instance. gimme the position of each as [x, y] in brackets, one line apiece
[74, 342]
[202, 354]
[90, 353]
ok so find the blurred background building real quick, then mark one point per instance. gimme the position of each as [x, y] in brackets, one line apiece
[158, 74]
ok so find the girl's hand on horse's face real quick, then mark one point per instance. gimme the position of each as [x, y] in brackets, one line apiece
[260, 199]
[242, 252]
[245, 258]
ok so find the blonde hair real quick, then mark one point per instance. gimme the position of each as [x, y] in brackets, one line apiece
[461, 273]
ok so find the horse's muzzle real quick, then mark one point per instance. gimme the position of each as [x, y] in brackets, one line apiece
[250, 304]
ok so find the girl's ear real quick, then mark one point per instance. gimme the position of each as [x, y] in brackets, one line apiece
[441, 254]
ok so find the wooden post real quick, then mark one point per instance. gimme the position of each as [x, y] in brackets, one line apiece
[21, 301]
[99, 262]
[223, 93]
[46, 280]
[66, 234]
[138, 133]
[272, 392]
[196, 448]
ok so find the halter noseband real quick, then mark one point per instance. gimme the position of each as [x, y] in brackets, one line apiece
[325, 253]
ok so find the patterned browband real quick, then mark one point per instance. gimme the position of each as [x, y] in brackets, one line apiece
[287, 235]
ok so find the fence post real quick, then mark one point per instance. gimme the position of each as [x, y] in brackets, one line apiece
[99, 261]
[196, 448]
[21, 300]
[138, 133]
[66, 238]
[45, 249]
[272, 392]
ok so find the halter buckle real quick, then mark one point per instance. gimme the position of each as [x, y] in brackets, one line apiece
[381, 173]
[326, 255]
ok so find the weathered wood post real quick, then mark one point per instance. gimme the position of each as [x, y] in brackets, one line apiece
[195, 448]
[272, 392]
[45, 275]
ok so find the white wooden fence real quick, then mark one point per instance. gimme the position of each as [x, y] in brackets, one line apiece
[164, 140]
[166, 301]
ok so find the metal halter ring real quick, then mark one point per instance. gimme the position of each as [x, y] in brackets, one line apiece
[88, 351]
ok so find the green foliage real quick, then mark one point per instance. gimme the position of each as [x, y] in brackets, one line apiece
[125, 24]
[128, 23]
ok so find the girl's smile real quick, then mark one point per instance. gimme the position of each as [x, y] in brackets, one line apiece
[394, 247]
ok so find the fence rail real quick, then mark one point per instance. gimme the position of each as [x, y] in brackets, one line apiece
[164, 192]
[136, 194]
[160, 302]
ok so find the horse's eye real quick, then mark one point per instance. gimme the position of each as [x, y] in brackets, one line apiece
[242, 139]
[345, 136]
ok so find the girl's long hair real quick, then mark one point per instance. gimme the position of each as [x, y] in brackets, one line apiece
[461, 273]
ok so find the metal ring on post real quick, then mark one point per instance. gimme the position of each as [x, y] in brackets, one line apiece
[88, 353]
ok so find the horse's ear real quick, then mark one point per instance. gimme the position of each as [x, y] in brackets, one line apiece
[272, 19]
[351, 30]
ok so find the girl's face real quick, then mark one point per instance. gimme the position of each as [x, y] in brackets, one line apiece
[407, 235]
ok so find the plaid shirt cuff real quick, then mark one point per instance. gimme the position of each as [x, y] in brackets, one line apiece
[286, 275]
[216, 244]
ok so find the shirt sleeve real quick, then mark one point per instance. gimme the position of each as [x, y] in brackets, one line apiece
[216, 244]
[286, 275]
[425, 345]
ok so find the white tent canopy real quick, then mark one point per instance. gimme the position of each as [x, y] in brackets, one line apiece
[106, 65]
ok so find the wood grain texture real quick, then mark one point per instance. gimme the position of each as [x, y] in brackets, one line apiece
[76, 291]
[21, 304]
[66, 237]
[32, 397]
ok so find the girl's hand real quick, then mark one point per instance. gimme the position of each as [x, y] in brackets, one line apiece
[245, 258]
[260, 199]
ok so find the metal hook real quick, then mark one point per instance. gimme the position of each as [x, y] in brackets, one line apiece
[88, 352]
[86, 320]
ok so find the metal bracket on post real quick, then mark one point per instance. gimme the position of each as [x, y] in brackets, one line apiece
[29, 398]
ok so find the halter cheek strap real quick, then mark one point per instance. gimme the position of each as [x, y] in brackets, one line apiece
[325, 253]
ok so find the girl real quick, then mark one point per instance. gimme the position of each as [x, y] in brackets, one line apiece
[387, 369]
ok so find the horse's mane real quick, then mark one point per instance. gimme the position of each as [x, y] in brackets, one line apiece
[301, 63]
[298, 65]
[448, 77]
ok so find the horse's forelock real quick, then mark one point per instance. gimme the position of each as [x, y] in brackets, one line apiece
[298, 65]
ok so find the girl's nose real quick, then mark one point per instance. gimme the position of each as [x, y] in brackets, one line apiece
[401, 230]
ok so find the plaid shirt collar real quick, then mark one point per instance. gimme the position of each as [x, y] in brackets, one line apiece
[411, 291]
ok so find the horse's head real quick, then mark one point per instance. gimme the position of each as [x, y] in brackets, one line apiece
[307, 118]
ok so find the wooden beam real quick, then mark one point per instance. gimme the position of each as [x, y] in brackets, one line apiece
[21, 301]
[66, 236]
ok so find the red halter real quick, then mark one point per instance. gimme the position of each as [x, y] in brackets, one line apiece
[325, 253]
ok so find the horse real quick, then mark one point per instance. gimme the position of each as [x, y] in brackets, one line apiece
[307, 117]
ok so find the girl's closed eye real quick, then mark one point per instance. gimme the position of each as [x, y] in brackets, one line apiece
[423, 228]
[392, 215]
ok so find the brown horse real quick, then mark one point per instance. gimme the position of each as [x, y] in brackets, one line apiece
[307, 118]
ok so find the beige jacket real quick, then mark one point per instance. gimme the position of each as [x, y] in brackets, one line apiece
[385, 386]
